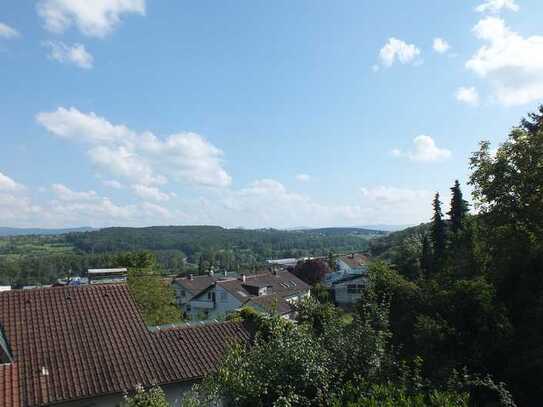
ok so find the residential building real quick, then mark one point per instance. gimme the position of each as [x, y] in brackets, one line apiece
[266, 291]
[347, 281]
[85, 346]
[186, 288]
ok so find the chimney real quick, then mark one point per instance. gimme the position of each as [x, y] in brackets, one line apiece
[191, 276]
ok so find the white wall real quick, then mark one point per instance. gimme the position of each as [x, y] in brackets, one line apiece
[174, 394]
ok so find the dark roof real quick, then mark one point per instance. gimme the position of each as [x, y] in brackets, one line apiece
[271, 303]
[9, 386]
[283, 283]
[70, 343]
[354, 260]
[197, 284]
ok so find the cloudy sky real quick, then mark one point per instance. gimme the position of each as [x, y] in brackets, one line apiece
[253, 113]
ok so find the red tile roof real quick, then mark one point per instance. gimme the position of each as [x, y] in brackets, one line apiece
[9, 385]
[78, 342]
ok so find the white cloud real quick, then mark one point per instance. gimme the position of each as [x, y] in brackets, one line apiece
[398, 50]
[112, 183]
[512, 64]
[425, 150]
[495, 6]
[8, 32]
[96, 18]
[467, 95]
[8, 184]
[303, 177]
[440, 45]
[140, 157]
[153, 211]
[64, 193]
[75, 54]
[148, 192]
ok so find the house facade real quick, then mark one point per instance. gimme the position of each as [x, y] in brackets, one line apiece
[347, 281]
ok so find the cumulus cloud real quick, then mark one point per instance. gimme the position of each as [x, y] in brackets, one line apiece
[112, 183]
[303, 177]
[268, 203]
[512, 64]
[440, 45]
[495, 6]
[96, 18]
[8, 32]
[70, 54]
[87, 207]
[142, 158]
[398, 50]
[467, 95]
[149, 192]
[424, 150]
[8, 184]
[64, 193]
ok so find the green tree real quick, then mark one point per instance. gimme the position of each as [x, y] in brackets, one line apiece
[438, 233]
[459, 208]
[153, 295]
[426, 260]
[154, 397]
[508, 193]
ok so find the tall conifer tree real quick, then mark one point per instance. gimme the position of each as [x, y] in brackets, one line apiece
[459, 209]
[438, 233]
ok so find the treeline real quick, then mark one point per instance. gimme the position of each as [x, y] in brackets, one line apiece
[469, 291]
[34, 260]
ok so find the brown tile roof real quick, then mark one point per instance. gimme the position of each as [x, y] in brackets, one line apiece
[283, 283]
[9, 385]
[354, 260]
[77, 342]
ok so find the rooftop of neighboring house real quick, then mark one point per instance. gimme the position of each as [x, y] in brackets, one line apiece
[282, 283]
[9, 386]
[199, 283]
[196, 284]
[354, 260]
[70, 343]
[270, 303]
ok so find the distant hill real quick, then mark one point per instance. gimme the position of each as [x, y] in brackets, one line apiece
[5, 231]
[191, 239]
[345, 231]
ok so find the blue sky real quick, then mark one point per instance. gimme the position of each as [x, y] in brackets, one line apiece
[254, 113]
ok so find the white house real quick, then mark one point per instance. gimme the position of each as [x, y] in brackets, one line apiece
[267, 292]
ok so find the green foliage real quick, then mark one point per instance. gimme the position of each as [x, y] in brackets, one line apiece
[154, 397]
[459, 209]
[154, 297]
[438, 233]
[508, 194]
[393, 395]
